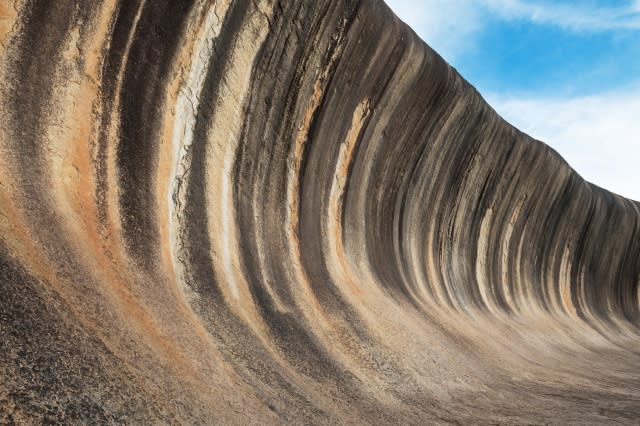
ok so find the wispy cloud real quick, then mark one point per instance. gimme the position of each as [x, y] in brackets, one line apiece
[598, 135]
[569, 16]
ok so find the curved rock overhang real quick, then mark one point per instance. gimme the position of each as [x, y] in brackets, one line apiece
[291, 211]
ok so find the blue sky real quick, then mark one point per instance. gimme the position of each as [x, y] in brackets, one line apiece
[565, 72]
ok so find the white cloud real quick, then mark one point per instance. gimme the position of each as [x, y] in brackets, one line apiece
[566, 16]
[598, 135]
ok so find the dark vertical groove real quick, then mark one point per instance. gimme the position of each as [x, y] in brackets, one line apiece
[143, 89]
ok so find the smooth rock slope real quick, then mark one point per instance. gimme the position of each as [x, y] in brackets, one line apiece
[291, 212]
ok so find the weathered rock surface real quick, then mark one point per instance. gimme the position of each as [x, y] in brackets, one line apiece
[291, 212]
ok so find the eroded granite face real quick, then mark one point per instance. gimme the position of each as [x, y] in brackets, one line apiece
[291, 212]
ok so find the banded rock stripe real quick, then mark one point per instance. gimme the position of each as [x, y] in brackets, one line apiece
[291, 212]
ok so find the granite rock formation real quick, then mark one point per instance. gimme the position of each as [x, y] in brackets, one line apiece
[291, 212]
